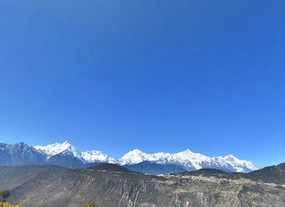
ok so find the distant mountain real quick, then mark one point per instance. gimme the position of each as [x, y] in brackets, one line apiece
[189, 161]
[57, 148]
[95, 156]
[20, 154]
[269, 175]
[92, 156]
[65, 159]
[153, 168]
[109, 167]
[65, 155]
[272, 174]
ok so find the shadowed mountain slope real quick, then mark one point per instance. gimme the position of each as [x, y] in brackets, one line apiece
[272, 174]
[153, 168]
[115, 186]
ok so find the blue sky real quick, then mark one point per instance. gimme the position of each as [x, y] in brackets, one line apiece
[157, 75]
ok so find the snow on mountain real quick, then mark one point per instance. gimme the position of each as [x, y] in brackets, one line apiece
[134, 157]
[57, 148]
[239, 165]
[186, 158]
[97, 156]
[137, 156]
[65, 147]
[189, 160]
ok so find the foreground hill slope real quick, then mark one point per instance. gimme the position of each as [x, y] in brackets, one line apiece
[272, 174]
[115, 186]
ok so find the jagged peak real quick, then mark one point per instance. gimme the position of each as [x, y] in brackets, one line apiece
[187, 151]
[230, 157]
[97, 156]
[56, 148]
[136, 151]
[187, 158]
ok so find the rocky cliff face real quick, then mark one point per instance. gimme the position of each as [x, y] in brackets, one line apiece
[112, 186]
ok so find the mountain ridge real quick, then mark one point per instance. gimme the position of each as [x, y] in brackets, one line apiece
[65, 154]
[110, 185]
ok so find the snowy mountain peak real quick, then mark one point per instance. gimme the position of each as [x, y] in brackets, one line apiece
[97, 156]
[189, 160]
[136, 151]
[57, 148]
[230, 157]
[239, 165]
[134, 157]
[186, 153]
[67, 148]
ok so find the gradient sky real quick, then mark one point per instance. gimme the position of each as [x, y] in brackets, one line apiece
[159, 75]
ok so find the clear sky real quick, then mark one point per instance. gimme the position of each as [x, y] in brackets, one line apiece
[159, 75]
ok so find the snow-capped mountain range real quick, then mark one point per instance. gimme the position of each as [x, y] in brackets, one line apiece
[92, 156]
[187, 159]
[190, 160]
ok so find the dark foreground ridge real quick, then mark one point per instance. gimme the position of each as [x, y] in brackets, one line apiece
[110, 185]
[109, 167]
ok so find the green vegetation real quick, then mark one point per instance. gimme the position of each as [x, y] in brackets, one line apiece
[6, 204]
[89, 205]
[4, 195]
